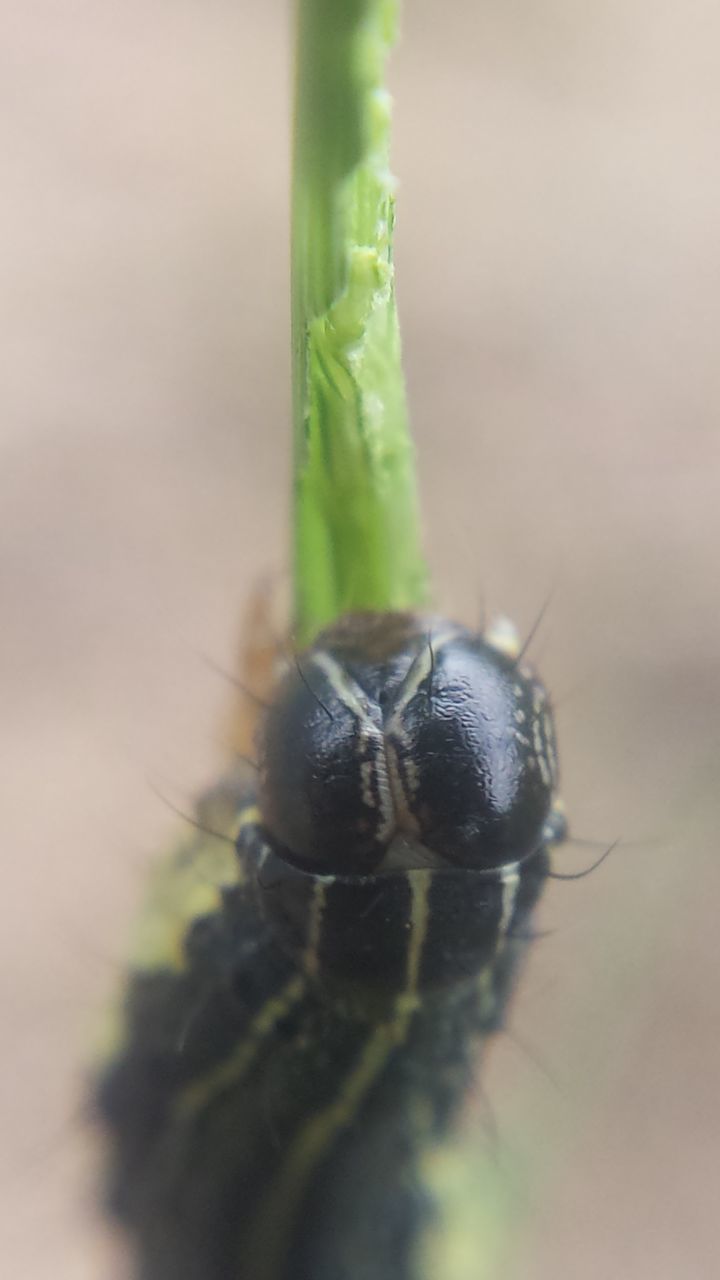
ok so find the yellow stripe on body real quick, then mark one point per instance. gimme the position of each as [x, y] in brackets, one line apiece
[230, 1072]
[419, 914]
[510, 877]
[184, 887]
[484, 982]
[278, 1215]
[311, 955]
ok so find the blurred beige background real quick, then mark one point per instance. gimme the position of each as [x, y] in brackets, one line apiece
[559, 279]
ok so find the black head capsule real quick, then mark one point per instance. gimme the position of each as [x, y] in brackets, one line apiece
[399, 741]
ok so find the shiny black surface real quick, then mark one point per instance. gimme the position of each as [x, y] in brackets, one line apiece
[406, 726]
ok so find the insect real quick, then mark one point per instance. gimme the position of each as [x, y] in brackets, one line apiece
[303, 1023]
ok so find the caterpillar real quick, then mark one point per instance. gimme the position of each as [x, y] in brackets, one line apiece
[304, 1016]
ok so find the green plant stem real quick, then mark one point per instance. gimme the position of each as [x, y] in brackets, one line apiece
[356, 523]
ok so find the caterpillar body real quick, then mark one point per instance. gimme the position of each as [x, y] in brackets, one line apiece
[304, 1019]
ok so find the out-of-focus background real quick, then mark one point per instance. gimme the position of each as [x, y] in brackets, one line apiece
[558, 258]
